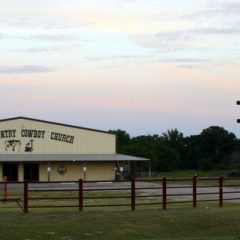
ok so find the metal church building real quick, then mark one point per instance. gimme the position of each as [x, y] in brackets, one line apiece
[39, 150]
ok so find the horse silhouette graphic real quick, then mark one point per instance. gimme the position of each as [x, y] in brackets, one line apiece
[12, 144]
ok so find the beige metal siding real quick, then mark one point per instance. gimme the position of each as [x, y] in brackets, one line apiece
[74, 171]
[85, 141]
[100, 171]
[95, 171]
[43, 174]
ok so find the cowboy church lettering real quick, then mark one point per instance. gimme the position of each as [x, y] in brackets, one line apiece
[32, 133]
[62, 137]
[8, 133]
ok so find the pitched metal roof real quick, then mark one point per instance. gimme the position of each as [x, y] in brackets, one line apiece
[68, 158]
[55, 123]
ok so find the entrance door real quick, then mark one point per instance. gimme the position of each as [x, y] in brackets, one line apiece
[10, 171]
[31, 172]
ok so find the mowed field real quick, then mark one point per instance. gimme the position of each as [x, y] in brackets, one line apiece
[207, 221]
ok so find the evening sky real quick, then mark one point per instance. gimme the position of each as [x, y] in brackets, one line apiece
[144, 66]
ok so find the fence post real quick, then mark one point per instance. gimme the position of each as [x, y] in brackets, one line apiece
[25, 196]
[5, 188]
[221, 192]
[80, 194]
[194, 184]
[164, 193]
[133, 194]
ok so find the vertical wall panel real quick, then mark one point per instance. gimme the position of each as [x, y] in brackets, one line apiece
[43, 175]
[20, 172]
[100, 171]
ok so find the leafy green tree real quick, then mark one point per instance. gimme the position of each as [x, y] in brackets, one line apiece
[192, 152]
[213, 148]
[142, 146]
[165, 158]
[216, 144]
[173, 137]
[123, 140]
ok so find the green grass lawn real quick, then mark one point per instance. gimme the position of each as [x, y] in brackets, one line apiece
[206, 222]
[178, 222]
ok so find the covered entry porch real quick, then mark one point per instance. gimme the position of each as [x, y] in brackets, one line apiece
[67, 167]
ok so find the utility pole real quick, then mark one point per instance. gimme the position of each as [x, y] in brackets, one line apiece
[238, 103]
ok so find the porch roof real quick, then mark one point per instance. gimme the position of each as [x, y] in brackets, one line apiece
[29, 157]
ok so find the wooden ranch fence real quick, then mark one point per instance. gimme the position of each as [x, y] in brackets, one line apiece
[133, 193]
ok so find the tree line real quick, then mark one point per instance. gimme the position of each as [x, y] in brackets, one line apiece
[213, 148]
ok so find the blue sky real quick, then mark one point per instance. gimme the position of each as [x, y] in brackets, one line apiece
[143, 66]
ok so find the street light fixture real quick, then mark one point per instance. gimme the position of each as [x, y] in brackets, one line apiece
[84, 172]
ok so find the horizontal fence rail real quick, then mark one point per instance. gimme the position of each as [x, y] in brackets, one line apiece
[82, 195]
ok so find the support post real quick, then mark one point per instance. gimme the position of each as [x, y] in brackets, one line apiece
[25, 196]
[221, 192]
[5, 188]
[164, 193]
[133, 194]
[194, 184]
[80, 194]
[49, 171]
[149, 170]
